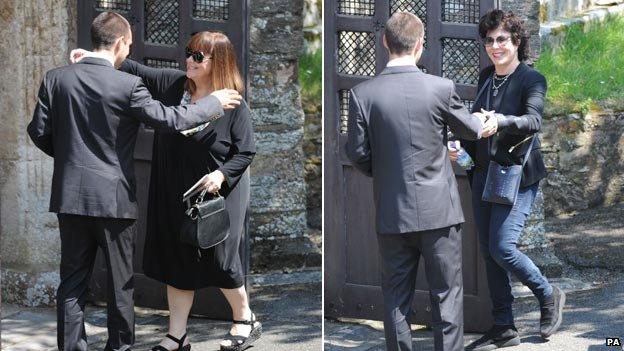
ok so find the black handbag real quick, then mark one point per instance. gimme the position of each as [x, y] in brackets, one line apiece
[503, 182]
[206, 223]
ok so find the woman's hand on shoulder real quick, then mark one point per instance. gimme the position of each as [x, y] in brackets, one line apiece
[78, 54]
[228, 98]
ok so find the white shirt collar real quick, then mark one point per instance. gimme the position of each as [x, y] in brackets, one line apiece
[402, 61]
[102, 56]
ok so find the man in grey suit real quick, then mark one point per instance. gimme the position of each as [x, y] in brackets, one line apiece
[87, 118]
[397, 135]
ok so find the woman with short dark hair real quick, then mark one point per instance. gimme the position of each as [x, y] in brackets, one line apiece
[513, 93]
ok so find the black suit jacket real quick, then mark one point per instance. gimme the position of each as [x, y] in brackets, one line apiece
[521, 109]
[397, 134]
[87, 118]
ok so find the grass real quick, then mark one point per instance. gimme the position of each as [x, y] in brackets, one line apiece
[310, 77]
[587, 71]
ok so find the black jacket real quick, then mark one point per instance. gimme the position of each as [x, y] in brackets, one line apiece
[521, 105]
[87, 118]
[397, 134]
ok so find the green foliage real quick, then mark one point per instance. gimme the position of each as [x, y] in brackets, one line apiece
[310, 78]
[587, 71]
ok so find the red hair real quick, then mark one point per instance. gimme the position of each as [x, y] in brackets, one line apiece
[224, 73]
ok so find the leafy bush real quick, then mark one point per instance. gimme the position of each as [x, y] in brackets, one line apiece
[587, 71]
[310, 78]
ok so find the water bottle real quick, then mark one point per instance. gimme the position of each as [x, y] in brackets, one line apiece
[463, 159]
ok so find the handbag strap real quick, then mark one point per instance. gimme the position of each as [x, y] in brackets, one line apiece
[526, 156]
[485, 85]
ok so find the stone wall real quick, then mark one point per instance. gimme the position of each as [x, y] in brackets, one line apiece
[41, 34]
[556, 9]
[280, 239]
[583, 155]
[529, 10]
[313, 147]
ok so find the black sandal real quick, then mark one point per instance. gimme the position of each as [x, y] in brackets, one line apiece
[240, 343]
[180, 342]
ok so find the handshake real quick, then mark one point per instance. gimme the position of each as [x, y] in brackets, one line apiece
[488, 121]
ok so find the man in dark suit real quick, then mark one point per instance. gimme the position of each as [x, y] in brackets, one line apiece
[397, 135]
[87, 118]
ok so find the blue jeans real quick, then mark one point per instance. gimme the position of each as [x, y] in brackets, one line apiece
[499, 228]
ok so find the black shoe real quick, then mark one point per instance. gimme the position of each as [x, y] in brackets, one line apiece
[240, 343]
[497, 337]
[180, 342]
[552, 313]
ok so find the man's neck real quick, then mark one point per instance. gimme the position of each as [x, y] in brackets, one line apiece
[104, 54]
[406, 60]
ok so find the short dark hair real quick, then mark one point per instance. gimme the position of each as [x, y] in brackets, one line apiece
[106, 28]
[402, 32]
[508, 21]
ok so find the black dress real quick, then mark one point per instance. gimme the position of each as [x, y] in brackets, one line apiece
[177, 163]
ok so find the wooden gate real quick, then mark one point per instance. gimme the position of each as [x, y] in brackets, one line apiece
[353, 53]
[161, 29]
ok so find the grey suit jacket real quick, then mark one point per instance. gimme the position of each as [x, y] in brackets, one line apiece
[397, 134]
[87, 118]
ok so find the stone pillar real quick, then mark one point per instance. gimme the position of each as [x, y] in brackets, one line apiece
[556, 9]
[529, 10]
[37, 37]
[278, 197]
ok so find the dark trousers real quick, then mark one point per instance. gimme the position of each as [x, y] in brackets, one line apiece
[442, 253]
[500, 227]
[80, 238]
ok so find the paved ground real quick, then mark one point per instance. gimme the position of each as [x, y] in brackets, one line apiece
[589, 317]
[591, 246]
[592, 238]
[290, 314]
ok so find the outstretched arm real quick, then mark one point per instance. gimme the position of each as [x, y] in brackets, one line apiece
[531, 120]
[178, 118]
[157, 80]
[462, 123]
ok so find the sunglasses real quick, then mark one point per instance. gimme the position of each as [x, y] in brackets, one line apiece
[198, 56]
[500, 40]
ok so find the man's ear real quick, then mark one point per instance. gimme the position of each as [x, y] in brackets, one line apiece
[419, 46]
[117, 45]
[383, 40]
